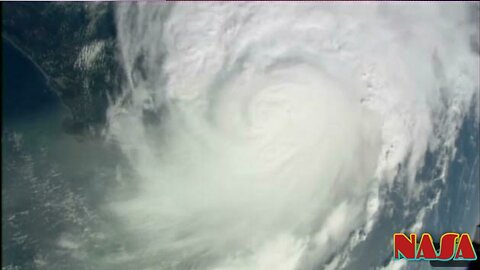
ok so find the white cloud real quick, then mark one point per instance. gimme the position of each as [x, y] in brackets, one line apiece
[281, 119]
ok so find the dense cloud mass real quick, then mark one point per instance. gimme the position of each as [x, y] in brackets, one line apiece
[236, 136]
[260, 136]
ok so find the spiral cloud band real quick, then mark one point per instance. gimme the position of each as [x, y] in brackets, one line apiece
[261, 135]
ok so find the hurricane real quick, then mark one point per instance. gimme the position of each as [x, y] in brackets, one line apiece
[236, 135]
[261, 136]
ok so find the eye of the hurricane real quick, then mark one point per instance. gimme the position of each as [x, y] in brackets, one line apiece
[287, 113]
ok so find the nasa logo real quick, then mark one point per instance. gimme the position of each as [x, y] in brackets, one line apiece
[453, 246]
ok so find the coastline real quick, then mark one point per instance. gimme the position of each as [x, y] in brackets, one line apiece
[49, 82]
[27, 55]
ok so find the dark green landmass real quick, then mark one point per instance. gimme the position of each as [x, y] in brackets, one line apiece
[59, 38]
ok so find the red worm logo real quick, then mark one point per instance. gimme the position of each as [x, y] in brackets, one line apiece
[453, 246]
